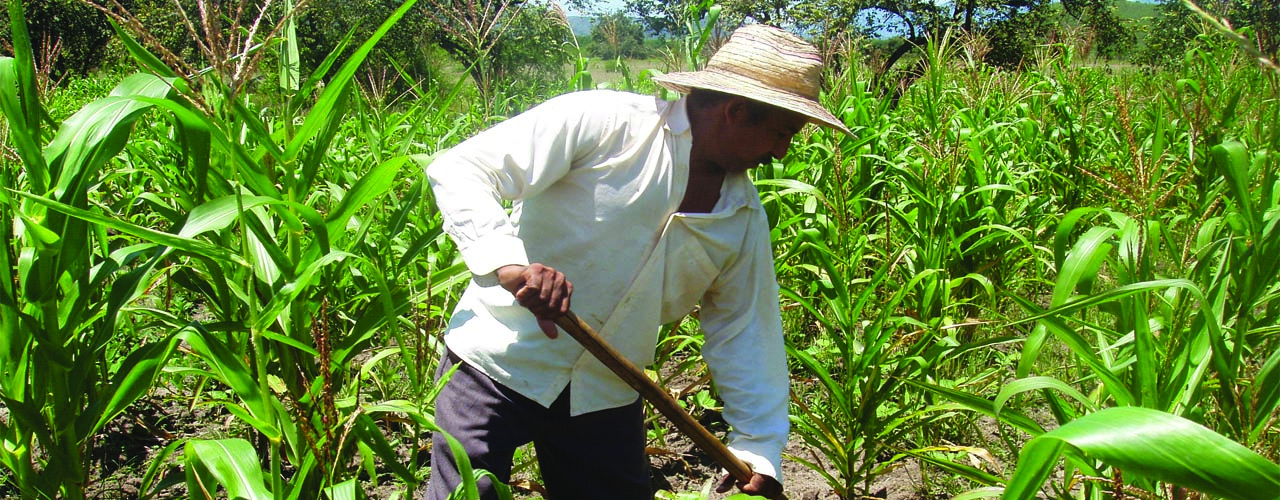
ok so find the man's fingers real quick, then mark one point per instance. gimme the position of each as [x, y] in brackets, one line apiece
[533, 278]
[568, 286]
[554, 292]
[561, 290]
[760, 485]
[765, 486]
[529, 297]
[548, 328]
[726, 483]
[542, 290]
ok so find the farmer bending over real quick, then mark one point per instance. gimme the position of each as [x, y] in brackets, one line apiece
[638, 209]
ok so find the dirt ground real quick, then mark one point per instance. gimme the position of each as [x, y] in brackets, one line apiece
[694, 472]
[128, 445]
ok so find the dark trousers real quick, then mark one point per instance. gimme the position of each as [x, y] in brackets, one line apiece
[598, 455]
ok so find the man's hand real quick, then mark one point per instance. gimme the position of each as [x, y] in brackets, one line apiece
[760, 485]
[542, 290]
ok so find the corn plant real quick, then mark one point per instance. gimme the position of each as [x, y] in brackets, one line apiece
[1152, 444]
[1169, 345]
[261, 232]
[273, 298]
[64, 285]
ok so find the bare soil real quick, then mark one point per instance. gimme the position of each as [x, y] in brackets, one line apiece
[128, 445]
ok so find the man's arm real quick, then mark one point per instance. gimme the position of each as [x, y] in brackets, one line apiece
[745, 352]
[513, 160]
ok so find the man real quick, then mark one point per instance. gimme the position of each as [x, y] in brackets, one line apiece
[638, 209]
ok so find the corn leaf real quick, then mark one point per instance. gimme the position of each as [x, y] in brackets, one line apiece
[345, 490]
[144, 57]
[96, 133]
[1035, 383]
[288, 294]
[326, 108]
[1232, 158]
[375, 183]
[1266, 393]
[217, 214]
[232, 371]
[230, 463]
[132, 379]
[984, 406]
[204, 130]
[290, 61]
[32, 111]
[25, 137]
[368, 432]
[1155, 445]
[195, 247]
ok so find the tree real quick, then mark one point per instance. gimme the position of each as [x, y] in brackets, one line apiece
[617, 35]
[1112, 36]
[1013, 27]
[660, 17]
[165, 25]
[1178, 27]
[534, 51]
[324, 24]
[498, 39]
[66, 36]
[1263, 18]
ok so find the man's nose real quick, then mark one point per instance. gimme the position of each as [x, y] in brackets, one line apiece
[780, 150]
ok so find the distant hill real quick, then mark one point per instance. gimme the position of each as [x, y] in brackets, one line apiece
[1128, 9]
[1135, 10]
[581, 25]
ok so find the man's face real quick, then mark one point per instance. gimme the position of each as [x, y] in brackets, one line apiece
[750, 143]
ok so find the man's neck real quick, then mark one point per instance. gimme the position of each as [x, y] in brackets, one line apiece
[702, 191]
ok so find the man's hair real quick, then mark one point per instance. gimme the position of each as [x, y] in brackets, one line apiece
[704, 98]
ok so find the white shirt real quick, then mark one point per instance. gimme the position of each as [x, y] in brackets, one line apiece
[596, 178]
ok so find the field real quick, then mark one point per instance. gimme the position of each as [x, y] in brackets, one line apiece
[1057, 282]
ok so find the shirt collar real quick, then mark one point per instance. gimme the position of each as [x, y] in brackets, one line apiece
[677, 116]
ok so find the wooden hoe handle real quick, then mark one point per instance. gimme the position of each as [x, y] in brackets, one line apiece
[659, 398]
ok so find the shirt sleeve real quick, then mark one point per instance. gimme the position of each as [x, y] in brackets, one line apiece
[512, 160]
[744, 351]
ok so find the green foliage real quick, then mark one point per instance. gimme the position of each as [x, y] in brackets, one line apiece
[166, 26]
[1065, 246]
[1112, 35]
[67, 34]
[62, 298]
[325, 24]
[1170, 32]
[505, 44]
[1177, 29]
[1014, 39]
[1152, 445]
[533, 52]
[76, 92]
[662, 18]
[255, 228]
[616, 36]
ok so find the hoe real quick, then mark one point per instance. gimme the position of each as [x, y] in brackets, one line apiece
[653, 393]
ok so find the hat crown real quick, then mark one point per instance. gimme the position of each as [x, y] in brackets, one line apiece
[773, 57]
[765, 64]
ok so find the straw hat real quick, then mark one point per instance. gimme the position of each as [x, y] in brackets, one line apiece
[765, 64]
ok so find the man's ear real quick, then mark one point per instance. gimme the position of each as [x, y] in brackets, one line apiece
[736, 110]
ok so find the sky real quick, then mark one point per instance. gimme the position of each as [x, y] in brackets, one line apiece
[601, 5]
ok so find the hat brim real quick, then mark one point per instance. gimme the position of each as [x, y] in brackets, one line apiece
[685, 82]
